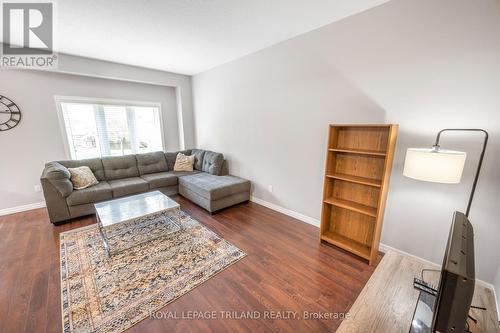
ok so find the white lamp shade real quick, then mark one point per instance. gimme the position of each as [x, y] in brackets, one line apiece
[438, 166]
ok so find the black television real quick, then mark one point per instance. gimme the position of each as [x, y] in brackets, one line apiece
[446, 309]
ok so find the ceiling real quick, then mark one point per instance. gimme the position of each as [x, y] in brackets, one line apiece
[188, 36]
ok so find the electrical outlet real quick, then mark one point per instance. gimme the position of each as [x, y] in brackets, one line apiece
[270, 188]
[38, 188]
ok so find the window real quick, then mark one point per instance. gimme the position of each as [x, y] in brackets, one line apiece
[96, 129]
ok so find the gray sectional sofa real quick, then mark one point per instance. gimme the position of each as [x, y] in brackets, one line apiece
[208, 185]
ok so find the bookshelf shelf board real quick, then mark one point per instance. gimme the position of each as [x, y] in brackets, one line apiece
[351, 205]
[356, 179]
[347, 244]
[358, 151]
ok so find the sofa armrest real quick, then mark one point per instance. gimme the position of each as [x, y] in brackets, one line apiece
[59, 177]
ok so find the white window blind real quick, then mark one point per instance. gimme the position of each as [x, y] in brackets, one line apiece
[97, 129]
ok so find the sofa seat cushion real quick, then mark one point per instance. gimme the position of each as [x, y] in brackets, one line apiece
[126, 186]
[96, 193]
[214, 187]
[184, 173]
[160, 179]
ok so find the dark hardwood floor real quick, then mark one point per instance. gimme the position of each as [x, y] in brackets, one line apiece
[287, 269]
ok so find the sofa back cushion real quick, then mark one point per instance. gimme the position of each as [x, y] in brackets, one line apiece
[151, 163]
[213, 163]
[172, 155]
[118, 167]
[198, 158]
[95, 164]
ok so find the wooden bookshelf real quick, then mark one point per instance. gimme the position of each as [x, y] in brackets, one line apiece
[358, 169]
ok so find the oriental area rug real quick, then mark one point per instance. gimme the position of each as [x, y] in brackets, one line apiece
[101, 293]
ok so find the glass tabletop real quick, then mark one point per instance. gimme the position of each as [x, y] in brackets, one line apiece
[128, 208]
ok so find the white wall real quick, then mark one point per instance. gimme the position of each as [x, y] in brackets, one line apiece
[110, 70]
[37, 139]
[423, 64]
[268, 114]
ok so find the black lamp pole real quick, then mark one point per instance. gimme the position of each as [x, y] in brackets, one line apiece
[436, 146]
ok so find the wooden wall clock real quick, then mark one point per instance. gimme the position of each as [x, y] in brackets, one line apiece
[10, 114]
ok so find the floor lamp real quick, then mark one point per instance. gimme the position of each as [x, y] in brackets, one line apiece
[441, 165]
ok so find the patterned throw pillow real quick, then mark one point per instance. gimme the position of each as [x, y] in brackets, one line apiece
[184, 163]
[82, 177]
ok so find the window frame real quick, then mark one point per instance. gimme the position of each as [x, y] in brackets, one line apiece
[59, 99]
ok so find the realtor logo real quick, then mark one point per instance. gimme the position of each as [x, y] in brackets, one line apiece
[28, 35]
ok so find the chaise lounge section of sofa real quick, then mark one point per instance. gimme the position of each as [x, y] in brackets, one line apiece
[209, 185]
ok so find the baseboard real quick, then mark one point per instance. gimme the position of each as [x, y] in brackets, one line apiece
[383, 247]
[496, 301]
[18, 209]
[286, 211]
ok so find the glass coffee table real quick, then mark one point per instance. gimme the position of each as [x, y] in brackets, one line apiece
[129, 221]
